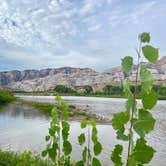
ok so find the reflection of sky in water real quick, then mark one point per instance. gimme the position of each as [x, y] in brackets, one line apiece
[23, 128]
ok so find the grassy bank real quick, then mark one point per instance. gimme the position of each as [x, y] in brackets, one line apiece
[8, 158]
[46, 108]
[5, 97]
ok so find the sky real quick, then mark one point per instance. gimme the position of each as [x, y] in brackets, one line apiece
[37, 34]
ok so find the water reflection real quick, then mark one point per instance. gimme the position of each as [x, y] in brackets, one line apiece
[23, 128]
[15, 111]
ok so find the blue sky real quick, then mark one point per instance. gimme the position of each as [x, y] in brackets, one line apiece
[37, 34]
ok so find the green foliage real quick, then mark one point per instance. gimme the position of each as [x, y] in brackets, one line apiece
[150, 53]
[141, 120]
[142, 153]
[97, 148]
[96, 162]
[149, 100]
[119, 120]
[81, 139]
[112, 90]
[62, 89]
[58, 126]
[144, 37]
[67, 148]
[84, 123]
[146, 80]
[127, 63]
[116, 155]
[144, 124]
[90, 136]
[5, 97]
[88, 89]
[126, 87]
[24, 159]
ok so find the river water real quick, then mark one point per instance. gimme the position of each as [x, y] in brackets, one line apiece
[24, 128]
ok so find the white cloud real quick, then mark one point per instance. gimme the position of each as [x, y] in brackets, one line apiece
[73, 29]
[133, 15]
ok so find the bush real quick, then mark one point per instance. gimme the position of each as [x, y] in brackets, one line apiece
[5, 97]
[8, 158]
[112, 90]
[63, 89]
[88, 89]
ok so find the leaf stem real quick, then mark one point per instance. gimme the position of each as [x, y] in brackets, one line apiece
[88, 145]
[134, 103]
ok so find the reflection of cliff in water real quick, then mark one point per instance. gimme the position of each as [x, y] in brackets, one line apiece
[14, 110]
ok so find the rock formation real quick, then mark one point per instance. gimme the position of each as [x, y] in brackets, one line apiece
[47, 79]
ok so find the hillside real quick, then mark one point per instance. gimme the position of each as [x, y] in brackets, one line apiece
[46, 79]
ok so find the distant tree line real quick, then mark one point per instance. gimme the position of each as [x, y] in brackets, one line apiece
[107, 90]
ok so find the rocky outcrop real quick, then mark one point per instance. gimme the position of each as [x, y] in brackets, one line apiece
[46, 79]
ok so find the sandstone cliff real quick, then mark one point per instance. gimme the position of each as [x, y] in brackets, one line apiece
[46, 79]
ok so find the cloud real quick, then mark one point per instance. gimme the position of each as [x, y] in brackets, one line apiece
[121, 15]
[39, 31]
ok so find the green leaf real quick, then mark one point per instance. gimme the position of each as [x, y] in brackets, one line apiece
[94, 135]
[131, 161]
[126, 87]
[67, 161]
[146, 80]
[44, 153]
[116, 155]
[149, 100]
[47, 138]
[127, 63]
[81, 139]
[144, 124]
[51, 132]
[93, 123]
[84, 154]
[120, 134]
[150, 53]
[54, 112]
[119, 119]
[129, 103]
[65, 130]
[79, 163]
[97, 148]
[84, 124]
[142, 152]
[95, 162]
[58, 98]
[144, 37]
[64, 106]
[52, 153]
[67, 147]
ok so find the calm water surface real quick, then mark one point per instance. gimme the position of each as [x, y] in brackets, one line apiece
[23, 128]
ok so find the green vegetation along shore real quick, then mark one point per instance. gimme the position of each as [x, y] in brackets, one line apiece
[5, 97]
[9, 158]
[46, 108]
[108, 91]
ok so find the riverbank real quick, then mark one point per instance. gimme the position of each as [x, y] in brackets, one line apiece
[5, 98]
[46, 108]
[121, 96]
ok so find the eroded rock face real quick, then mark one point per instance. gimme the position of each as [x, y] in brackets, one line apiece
[46, 79]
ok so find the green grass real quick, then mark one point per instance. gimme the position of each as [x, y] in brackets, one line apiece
[46, 108]
[9, 158]
[5, 98]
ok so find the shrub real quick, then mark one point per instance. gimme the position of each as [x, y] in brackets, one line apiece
[5, 97]
[63, 89]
